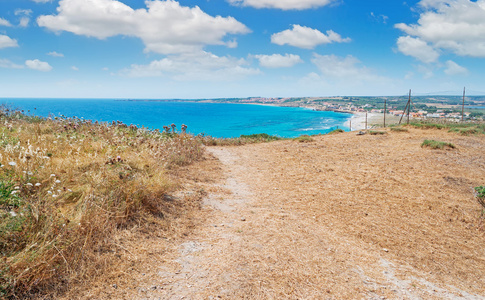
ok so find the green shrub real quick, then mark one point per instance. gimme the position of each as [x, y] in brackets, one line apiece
[338, 130]
[436, 144]
[399, 129]
[377, 132]
[481, 195]
[304, 139]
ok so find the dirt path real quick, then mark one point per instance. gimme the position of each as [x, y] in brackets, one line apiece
[343, 217]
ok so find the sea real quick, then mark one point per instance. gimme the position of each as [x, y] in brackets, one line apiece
[222, 120]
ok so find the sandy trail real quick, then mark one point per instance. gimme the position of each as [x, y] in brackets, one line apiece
[343, 217]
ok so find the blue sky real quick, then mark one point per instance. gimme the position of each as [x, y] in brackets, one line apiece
[239, 48]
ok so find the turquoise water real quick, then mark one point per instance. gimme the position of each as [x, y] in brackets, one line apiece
[218, 120]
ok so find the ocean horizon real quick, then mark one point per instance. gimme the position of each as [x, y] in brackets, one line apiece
[222, 120]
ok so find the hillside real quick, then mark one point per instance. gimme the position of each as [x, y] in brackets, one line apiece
[341, 217]
[109, 211]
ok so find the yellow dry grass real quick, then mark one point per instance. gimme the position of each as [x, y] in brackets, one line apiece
[71, 189]
[341, 217]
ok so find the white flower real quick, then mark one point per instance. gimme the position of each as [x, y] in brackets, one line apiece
[69, 190]
[29, 184]
[53, 175]
[12, 163]
[57, 181]
[55, 196]
[49, 192]
[30, 173]
[38, 184]
[13, 214]
[59, 191]
[17, 188]
[14, 192]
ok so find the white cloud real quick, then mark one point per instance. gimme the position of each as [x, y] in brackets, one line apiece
[452, 68]
[278, 60]
[282, 4]
[23, 12]
[74, 68]
[6, 42]
[454, 25]
[165, 26]
[42, 1]
[347, 68]
[38, 65]
[202, 66]
[25, 19]
[24, 22]
[306, 37]
[5, 63]
[4, 22]
[417, 48]
[55, 54]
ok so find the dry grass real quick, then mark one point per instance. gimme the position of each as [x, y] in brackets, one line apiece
[351, 217]
[68, 186]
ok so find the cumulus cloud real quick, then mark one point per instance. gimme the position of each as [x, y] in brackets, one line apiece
[4, 22]
[282, 4]
[306, 37]
[55, 54]
[453, 25]
[164, 26]
[6, 42]
[194, 66]
[452, 68]
[5, 63]
[278, 60]
[38, 65]
[347, 68]
[417, 48]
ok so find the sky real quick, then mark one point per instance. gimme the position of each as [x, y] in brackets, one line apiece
[187, 49]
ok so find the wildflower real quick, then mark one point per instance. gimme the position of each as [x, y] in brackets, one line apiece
[59, 191]
[17, 188]
[38, 184]
[30, 173]
[14, 192]
[69, 190]
[13, 214]
[29, 184]
[12, 163]
[55, 196]
[53, 175]
[57, 181]
[49, 192]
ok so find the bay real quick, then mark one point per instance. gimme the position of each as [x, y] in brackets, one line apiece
[215, 119]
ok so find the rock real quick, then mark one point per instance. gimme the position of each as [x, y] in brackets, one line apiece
[243, 219]
[115, 286]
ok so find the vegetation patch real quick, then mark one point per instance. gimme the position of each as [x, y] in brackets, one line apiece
[399, 129]
[481, 195]
[437, 144]
[67, 185]
[469, 128]
[372, 132]
[242, 140]
[304, 139]
[338, 130]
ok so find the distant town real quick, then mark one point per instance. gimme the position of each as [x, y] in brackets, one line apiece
[439, 107]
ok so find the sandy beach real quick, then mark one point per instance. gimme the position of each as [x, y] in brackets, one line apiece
[358, 120]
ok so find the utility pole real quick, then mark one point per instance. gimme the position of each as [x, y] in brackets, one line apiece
[463, 106]
[409, 104]
[385, 102]
[404, 111]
